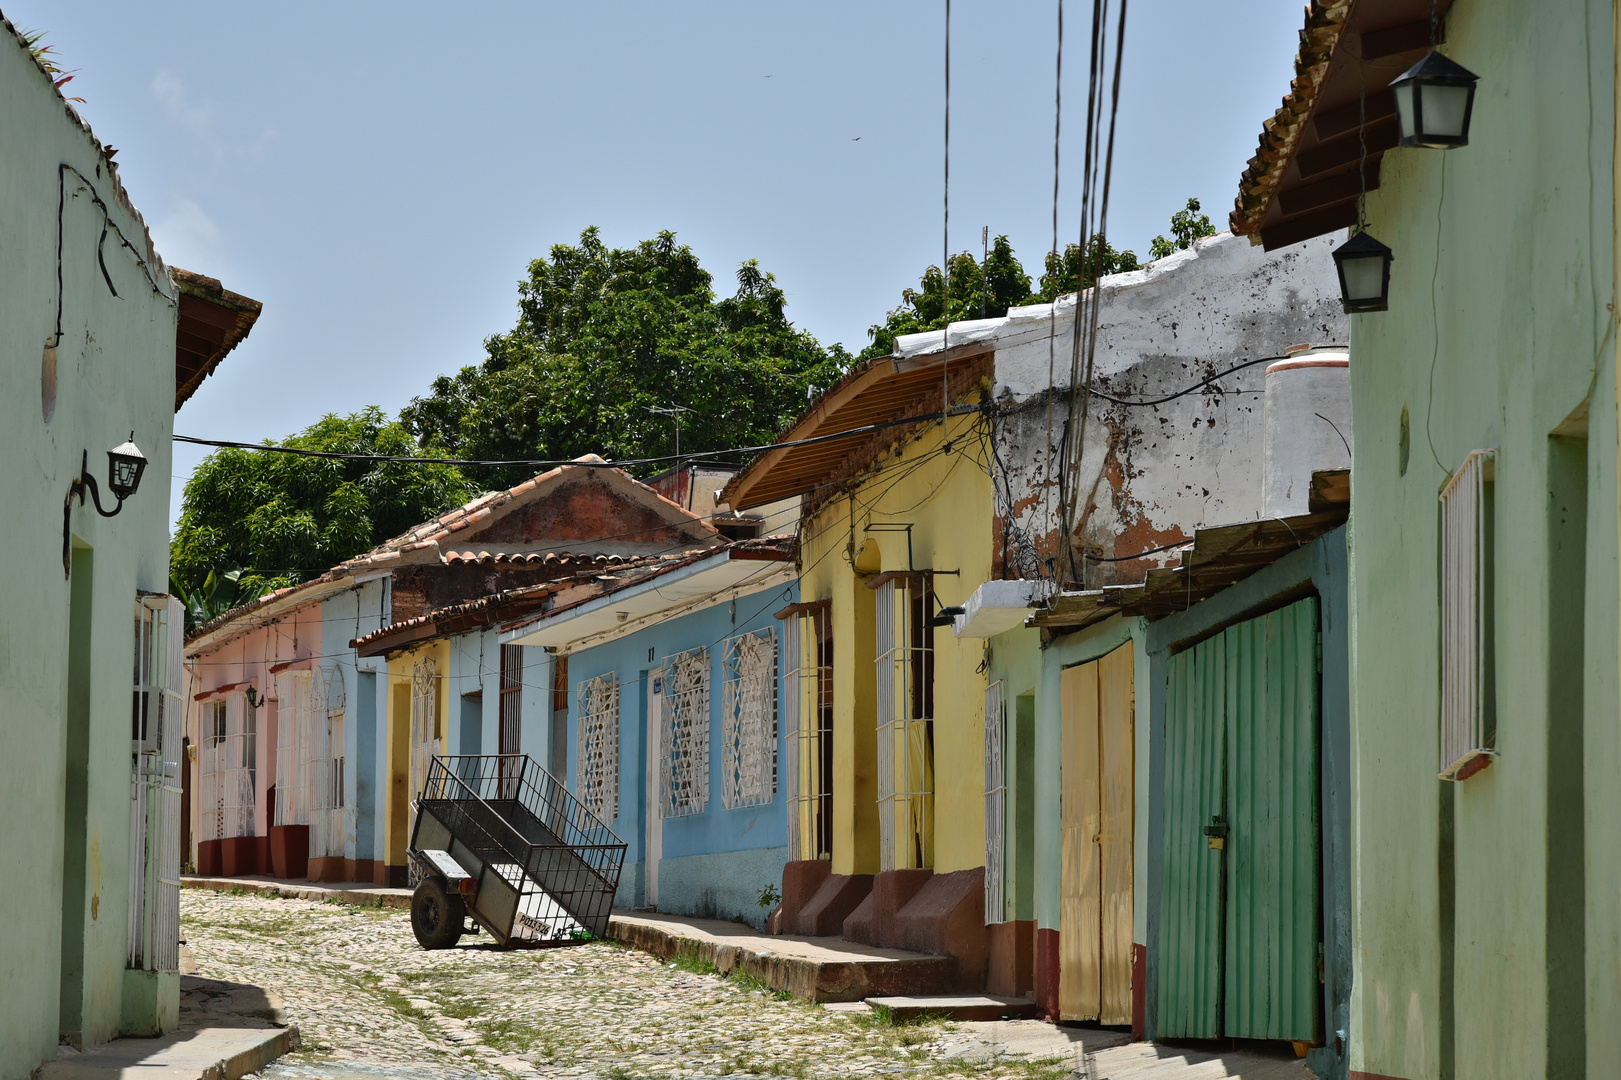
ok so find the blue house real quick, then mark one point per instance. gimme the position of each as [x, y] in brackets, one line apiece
[674, 684]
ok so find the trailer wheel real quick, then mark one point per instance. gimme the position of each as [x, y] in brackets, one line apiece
[437, 914]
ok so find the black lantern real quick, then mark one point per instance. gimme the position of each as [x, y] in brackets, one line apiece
[1364, 267]
[1434, 98]
[125, 463]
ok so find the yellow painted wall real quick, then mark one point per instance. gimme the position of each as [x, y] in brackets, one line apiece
[947, 498]
[398, 797]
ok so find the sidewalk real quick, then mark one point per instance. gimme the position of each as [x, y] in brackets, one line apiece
[341, 892]
[810, 968]
[227, 1030]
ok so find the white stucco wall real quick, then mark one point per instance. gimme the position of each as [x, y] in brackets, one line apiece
[1150, 475]
[115, 373]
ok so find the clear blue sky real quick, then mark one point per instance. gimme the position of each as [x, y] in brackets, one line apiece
[379, 175]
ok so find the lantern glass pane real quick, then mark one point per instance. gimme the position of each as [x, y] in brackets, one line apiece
[1404, 108]
[1364, 277]
[1444, 108]
[123, 474]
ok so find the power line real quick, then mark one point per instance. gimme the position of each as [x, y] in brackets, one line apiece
[553, 463]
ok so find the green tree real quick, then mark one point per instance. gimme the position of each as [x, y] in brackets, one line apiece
[277, 519]
[604, 336]
[977, 291]
[1068, 273]
[1185, 229]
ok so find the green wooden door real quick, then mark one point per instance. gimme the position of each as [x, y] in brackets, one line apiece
[1273, 867]
[1240, 912]
[1190, 909]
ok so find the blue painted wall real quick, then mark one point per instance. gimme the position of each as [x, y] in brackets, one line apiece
[714, 863]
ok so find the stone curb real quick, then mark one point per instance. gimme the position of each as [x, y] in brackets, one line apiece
[387, 898]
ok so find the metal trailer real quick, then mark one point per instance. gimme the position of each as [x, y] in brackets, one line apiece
[502, 840]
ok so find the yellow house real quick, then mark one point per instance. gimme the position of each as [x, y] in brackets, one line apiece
[886, 727]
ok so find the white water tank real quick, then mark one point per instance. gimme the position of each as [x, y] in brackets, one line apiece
[1308, 425]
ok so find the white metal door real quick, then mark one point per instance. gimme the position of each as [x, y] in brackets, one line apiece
[655, 821]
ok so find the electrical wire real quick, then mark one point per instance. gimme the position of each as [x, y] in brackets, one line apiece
[553, 463]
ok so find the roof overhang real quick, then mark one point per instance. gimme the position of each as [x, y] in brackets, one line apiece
[1325, 140]
[884, 391]
[213, 321]
[704, 583]
[1216, 559]
[460, 618]
[257, 612]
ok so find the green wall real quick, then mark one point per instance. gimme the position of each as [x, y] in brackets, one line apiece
[115, 372]
[1486, 912]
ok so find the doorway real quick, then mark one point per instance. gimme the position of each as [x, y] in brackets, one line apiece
[1098, 757]
[1241, 907]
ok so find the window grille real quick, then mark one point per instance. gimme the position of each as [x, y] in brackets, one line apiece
[808, 641]
[1468, 699]
[153, 910]
[323, 766]
[424, 736]
[211, 772]
[510, 734]
[748, 756]
[684, 740]
[995, 801]
[597, 759]
[905, 680]
[294, 690]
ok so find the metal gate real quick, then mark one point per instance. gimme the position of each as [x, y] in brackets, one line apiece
[1096, 821]
[1240, 914]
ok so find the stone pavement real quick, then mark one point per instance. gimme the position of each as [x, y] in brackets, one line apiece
[370, 1003]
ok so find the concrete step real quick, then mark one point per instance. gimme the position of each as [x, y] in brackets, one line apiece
[214, 1053]
[957, 1006]
[1158, 1061]
[811, 968]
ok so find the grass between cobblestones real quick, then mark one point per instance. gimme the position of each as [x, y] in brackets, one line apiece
[365, 995]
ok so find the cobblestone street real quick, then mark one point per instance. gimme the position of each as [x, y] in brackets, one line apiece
[369, 1002]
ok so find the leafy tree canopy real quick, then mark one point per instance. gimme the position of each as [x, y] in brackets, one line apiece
[606, 335]
[277, 519]
[988, 290]
[1185, 229]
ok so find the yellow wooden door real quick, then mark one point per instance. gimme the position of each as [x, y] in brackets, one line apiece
[1117, 741]
[1097, 762]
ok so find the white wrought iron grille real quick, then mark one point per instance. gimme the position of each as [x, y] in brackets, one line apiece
[748, 749]
[228, 769]
[153, 936]
[424, 736]
[684, 740]
[294, 691]
[597, 758]
[323, 767]
[1466, 616]
[211, 771]
[995, 801]
[905, 679]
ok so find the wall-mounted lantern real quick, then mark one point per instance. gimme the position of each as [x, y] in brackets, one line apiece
[125, 464]
[1364, 267]
[1434, 99]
